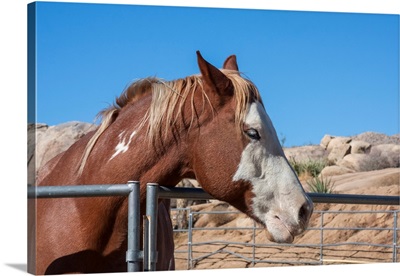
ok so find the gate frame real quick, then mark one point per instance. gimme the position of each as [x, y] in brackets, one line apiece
[153, 193]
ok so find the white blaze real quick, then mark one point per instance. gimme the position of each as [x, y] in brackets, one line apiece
[259, 156]
[123, 145]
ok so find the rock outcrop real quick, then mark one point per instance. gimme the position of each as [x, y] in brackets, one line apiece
[45, 142]
[365, 152]
[305, 153]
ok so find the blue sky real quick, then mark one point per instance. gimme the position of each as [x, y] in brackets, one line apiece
[319, 72]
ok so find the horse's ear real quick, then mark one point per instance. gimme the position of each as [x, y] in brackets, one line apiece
[231, 64]
[213, 78]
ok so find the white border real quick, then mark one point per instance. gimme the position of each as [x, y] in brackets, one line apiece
[13, 86]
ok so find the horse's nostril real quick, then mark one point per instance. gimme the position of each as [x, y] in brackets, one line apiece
[304, 213]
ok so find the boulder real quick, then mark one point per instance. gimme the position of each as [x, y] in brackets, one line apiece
[338, 153]
[45, 142]
[34, 131]
[355, 162]
[335, 170]
[384, 156]
[360, 147]
[337, 142]
[305, 153]
[59, 138]
[375, 138]
[380, 157]
[325, 141]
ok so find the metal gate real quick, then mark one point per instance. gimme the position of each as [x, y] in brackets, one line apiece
[134, 255]
[148, 255]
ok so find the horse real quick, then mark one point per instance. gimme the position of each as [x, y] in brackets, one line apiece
[212, 127]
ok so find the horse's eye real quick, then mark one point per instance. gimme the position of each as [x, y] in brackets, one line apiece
[253, 134]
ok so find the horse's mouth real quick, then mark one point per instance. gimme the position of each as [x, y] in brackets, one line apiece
[277, 230]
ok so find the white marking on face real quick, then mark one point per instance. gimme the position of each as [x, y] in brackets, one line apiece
[257, 156]
[276, 188]
[123, 146]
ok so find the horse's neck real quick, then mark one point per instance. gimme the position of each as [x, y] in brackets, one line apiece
[123, 153]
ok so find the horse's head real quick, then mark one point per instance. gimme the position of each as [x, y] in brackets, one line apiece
[237, 156]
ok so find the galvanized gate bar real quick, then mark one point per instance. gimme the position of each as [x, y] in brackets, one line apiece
[198, 193]
[186, 193]
[190, 193]
[354, 199]
[133, 253]
[79, 191]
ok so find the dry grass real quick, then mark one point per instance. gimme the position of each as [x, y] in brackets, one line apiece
[308, 169]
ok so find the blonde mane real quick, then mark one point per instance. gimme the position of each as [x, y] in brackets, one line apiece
[168, 98]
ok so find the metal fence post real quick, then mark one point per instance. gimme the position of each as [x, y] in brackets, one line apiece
[133, 252]
[145, 243]
[151, 213]
[321, 257]
[253, 261]
[190, 257]
[395, 237]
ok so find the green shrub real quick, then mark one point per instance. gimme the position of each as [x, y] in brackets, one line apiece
[321, 185]
[310, 167]
[314, 167]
